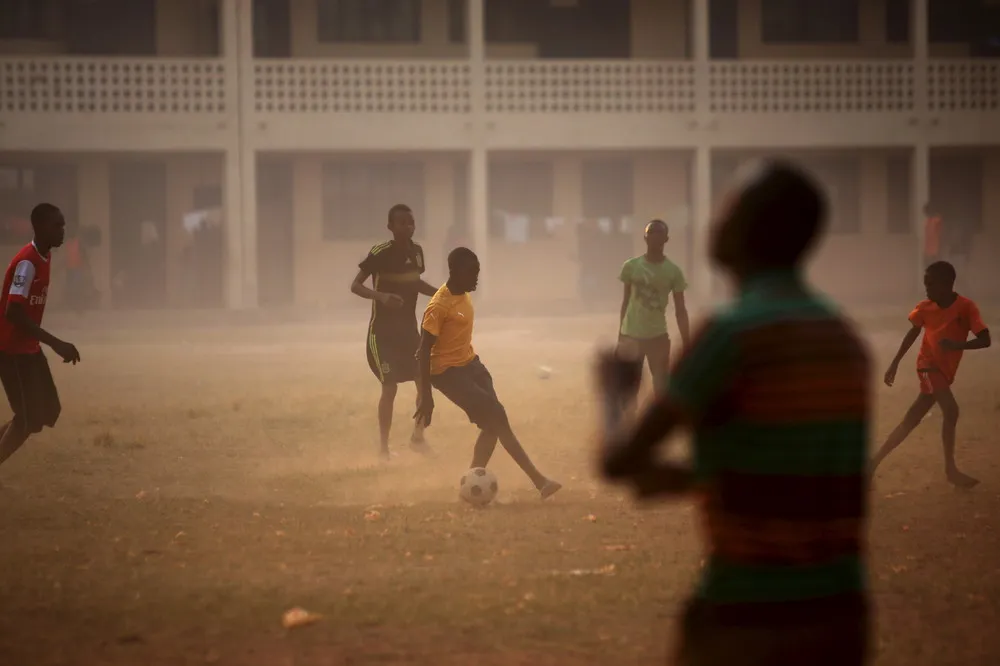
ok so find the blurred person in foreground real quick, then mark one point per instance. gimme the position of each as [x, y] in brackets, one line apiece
[775, 389]
[25, 373]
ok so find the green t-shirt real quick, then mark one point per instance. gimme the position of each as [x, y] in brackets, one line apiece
[652, 283]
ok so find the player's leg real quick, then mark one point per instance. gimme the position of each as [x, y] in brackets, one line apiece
[486, 443]
[949, 424]
[911, 420]
[470, 388]
[505, 433]
[657, 352]
[33, 398]
[387, 399]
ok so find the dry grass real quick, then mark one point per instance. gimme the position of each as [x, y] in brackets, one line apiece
[202, 482]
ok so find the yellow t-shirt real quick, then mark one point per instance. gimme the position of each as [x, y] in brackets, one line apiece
[449, 318]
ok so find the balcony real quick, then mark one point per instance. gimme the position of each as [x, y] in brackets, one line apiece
[50, 103]
[113, 104]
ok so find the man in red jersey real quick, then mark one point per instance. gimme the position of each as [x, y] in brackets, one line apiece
[23, 369]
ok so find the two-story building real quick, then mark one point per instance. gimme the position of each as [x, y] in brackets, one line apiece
[245, 152]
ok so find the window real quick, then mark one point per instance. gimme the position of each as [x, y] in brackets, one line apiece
[897, 21]
[357, 197]
[520, 188]
[30, 19]
[897, 188]
[957, 194]
[840, 176]
[951, 21]
[457, 13]
[607, 189]
[809, 21]
[368, 21]
[507, 21]
[948, 21]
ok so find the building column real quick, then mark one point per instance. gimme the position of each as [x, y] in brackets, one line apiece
[240, 171]
[921, 171]
[701, 218]
[479, 212]
[701, 176]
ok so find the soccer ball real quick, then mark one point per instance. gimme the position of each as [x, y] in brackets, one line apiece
[478, 486]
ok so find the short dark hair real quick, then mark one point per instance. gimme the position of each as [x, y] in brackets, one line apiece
[659, 223]
[398, 208]
[42, 213]
[942, 270]
[460, 255]
[784, 211]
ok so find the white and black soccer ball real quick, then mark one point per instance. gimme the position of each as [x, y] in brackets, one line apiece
[478, 486]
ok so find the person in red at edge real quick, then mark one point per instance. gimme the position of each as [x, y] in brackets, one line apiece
[946, 320]
[24, 371]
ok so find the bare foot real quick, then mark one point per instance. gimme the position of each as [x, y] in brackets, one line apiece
[550, 488]
[962, 481]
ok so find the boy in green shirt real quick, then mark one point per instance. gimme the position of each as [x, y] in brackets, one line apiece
[649, 280]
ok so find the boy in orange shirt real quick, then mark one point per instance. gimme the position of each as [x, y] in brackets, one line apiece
[946, 319]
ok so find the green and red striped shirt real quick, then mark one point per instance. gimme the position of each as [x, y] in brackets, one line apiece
[778, 386]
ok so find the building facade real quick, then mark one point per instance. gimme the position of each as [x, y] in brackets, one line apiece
[543, 133]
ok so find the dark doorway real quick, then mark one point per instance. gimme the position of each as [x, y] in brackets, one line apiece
[138, 234]
[275, 233]
[605, 238]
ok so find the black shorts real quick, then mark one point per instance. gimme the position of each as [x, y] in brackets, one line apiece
[30, 389]
[392, 352]
[470, 387]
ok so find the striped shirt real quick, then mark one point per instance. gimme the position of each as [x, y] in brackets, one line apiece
[777, 385]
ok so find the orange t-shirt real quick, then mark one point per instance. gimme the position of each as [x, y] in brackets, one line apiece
[932, 236]
[954, 322]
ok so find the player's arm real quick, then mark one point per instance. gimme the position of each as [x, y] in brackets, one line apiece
[358, 288]
[977, 327]
[430, 329]
[683, 321]
[17, 315]
[916, 325]
[426, 289]
[626, 296]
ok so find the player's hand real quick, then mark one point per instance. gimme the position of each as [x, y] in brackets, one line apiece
[67, 352]
[617, 374]
[390, 300]
[890, 375]
[425, 409]
[950, 345]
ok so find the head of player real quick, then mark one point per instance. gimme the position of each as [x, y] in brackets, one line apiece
[939, 282]
[49, 227]
[656, 235]
[401, 223]
[772, 219]
[463, 270]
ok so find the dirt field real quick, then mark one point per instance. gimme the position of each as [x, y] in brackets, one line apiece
[203, 481]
